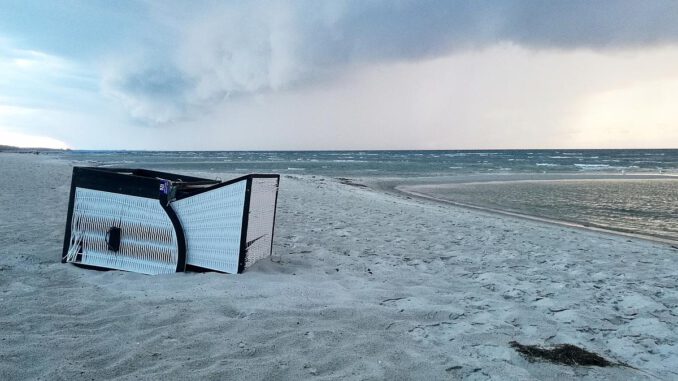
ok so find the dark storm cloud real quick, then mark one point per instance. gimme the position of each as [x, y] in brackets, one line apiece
[414, 29]
[239, 49]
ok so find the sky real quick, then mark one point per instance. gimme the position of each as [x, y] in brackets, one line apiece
[342, 74]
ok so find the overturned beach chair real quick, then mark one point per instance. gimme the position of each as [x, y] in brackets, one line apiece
[157, 223]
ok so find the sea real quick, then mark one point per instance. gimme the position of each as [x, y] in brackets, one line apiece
[630, 190]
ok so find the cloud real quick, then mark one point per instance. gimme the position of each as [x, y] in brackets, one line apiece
[46, 99]
[38, 79]
[153, 91]
[212, 51]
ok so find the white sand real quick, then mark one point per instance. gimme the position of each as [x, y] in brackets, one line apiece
[368, 286]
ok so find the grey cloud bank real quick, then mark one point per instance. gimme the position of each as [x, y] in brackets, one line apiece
[195, 57]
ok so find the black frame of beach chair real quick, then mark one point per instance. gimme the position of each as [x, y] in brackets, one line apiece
[148, 184]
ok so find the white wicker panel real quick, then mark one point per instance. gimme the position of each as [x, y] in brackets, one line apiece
[148, 241]
[261, 215]
[212, 224]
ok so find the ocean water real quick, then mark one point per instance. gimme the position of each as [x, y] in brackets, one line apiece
[612, 196]
[397, 163]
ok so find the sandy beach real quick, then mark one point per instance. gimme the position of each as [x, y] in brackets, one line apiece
[363, 284]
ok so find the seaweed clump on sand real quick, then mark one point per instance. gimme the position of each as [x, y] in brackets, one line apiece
[567, 354]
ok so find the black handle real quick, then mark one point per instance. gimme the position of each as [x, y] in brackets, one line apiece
[113, 238]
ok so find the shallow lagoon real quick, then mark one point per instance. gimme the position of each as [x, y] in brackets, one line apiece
[644, 206]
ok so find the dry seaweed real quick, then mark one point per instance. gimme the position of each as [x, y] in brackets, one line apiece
[567, 354]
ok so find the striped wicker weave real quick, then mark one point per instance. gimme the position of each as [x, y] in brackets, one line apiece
[263, 195]
[212, 224]
[148, 246]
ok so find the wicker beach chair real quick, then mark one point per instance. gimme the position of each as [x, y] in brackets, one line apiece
[156, 223]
